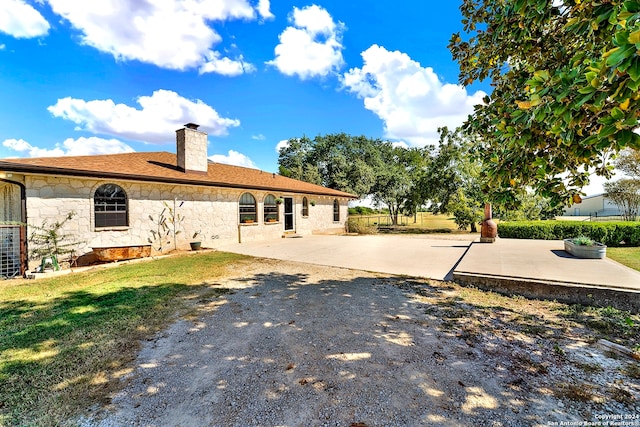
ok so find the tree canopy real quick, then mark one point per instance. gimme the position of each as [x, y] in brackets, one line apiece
[566, 76]
[358, 165]
[450, 182]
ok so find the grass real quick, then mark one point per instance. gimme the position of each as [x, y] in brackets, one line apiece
[64, 340]
[424, 222]
[627, 256]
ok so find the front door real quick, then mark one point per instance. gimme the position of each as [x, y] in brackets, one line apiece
[288, 214]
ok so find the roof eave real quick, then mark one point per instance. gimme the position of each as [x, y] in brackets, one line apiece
[48, 170]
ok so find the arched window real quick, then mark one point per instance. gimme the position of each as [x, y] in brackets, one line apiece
[270, 209]
[110, 206]
[305, 207]
[336, 210]
[248, 208]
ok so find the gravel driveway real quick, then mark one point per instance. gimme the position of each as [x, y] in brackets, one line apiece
[304, 345]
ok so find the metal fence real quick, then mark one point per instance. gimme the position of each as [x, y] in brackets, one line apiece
[603, 218]
[9, 251]
[381, 220]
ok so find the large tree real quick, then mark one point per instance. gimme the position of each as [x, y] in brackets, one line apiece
[625, 193]
[629, 163]
[450, 181]
[358, 165]
[398, 172]
[338, 161]
[565, 77]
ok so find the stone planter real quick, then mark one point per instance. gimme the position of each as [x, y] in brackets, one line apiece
[120, 253]
[195, 246]
[595, 251]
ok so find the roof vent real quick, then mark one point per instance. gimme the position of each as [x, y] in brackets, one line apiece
[192, 126]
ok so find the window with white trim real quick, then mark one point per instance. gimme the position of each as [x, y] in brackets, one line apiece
[270, 209]
[247, 208]
[110, 206]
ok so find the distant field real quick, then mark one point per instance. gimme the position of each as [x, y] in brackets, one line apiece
[423, 222]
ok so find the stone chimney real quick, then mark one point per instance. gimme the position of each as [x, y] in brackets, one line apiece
[192, 149]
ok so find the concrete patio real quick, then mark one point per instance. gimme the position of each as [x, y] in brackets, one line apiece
[533, 268]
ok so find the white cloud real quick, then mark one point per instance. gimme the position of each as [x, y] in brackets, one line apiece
[233, 158]
[264, 9]
[156, 122]
[312, 47]
[410, 99]
[171, 34]
[282, 144]
[3, 46]
[70, 147]
[21, 20]
[225, 66]
[259, 137]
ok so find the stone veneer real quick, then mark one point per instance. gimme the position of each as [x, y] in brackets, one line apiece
[191, 145]
[212, 211]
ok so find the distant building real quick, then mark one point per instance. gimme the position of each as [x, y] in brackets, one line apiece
[594, 206]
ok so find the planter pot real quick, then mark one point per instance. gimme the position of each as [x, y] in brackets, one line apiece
[195, 246]
[595, 251]
[120, 253]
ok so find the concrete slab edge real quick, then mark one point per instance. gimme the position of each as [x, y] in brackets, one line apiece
[622, 299]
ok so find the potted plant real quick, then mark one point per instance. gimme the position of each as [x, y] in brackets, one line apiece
[279, 200]
[248, 221]
[585, 247]
[312, 202]
[195, 245]
[271, 219]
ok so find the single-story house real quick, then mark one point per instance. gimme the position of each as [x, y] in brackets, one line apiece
[598, 205]
[120, 200]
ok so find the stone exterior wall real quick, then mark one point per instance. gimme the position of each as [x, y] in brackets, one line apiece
[210, 211]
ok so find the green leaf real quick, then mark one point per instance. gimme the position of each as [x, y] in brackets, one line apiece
[584, 99]
[587, 89]
[634, 69]
[616, 55]
[634, 37]
[624, 137]
[542, 74]
[617, 113]
[607, 131]
[621, 38]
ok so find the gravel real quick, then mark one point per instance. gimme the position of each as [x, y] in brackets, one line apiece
[302, 345]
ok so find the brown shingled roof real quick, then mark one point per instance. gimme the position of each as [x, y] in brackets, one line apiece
[162, 167]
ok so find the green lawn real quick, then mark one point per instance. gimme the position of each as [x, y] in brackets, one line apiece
[423, 222]
[627, 256]
[63, 340]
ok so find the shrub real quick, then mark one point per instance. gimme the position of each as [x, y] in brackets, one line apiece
[583, 240]
[609, 233]
[354, 226]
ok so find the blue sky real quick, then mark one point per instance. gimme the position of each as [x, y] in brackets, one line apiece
[108, 76]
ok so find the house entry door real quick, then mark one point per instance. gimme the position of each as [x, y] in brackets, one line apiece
[288, 214]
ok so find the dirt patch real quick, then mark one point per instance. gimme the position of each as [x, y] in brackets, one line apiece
[303, 345]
